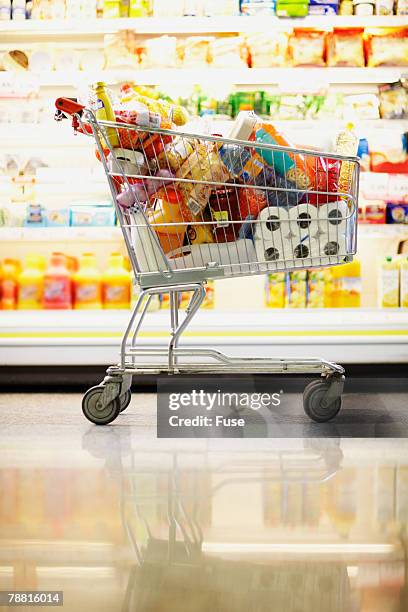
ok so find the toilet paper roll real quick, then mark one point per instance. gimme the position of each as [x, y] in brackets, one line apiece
[303, 220]
[311, 252]
[333, 245]
[272, 254]
[272, 221]
[333, 219]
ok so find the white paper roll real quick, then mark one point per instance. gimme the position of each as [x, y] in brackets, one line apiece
[333, 218]
[303, 220]
[272, 221]
[236, 256]
[147, 247]
[312, 252]
[333, 244]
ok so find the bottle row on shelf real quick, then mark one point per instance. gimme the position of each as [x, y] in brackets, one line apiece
[66, 283]
[115, 9]
[341, 47]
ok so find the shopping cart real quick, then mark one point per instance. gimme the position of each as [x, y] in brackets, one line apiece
[194, 208]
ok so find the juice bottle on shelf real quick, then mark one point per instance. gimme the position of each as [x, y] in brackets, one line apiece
[9, 283]
[102, 106]
[404, 282]
[87, 284]
[57, 284]
[31, 283]
[116, 284]
[351, 285]
[389, 283]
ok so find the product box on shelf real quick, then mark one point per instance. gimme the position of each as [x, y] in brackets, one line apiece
[57, 217]
[86, 216]
[397, 213]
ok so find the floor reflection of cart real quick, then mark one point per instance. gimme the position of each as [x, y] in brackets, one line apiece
[167, 510]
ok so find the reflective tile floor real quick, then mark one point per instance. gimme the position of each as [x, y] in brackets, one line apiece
[119, 520]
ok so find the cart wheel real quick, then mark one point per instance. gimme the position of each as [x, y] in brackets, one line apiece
[93, 413]
[125, 400]
[313, 396]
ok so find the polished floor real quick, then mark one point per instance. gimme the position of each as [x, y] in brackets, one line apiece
[120, 520]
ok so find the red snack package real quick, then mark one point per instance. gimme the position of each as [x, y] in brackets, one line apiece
[251, 202]
[324, 173]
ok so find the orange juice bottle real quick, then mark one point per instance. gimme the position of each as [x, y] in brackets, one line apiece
[10, 272]
[31, 283]
[351, 284]
[116, 284]
[170, 209]
[87, 284]
[57, 284]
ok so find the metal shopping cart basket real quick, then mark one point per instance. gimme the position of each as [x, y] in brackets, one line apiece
[194, 208]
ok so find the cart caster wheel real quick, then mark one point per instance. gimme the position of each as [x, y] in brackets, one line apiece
[125, 400]
[93, 413]
[313, 396]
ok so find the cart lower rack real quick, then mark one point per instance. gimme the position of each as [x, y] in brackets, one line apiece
[193, 208]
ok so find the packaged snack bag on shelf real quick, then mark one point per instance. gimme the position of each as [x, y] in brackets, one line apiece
[161, 52]
[363, 106]
[292, 8]
[393, 101]
[87, 284]
[116, 284]
[389, 283]
[387, 47]
[388, 153]
[196, 51]
[275, 287]
[228, 52]
[306, 47]
[267, 50]
[397, 213]
[57, 284]
[345, 47]
[404, 282]
[31, 283]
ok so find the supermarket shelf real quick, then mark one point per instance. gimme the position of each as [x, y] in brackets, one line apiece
[60, 234]
[288, 77]
[93, 338]
[382, 230]
[189, 25]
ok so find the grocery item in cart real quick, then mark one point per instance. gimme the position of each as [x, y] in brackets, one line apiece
[141, 190]
[176, 152]
[345, 47]
[225, 213]
[290, 165]
[231, 257]
[102, 104]
[203, 164]
[346, 144]
[169, 218]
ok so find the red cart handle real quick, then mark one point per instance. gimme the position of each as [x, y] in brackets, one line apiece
[68, 106]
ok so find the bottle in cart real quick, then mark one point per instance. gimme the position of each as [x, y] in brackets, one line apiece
[31, 283]
[346, 144]
[116, 284]
[57, 284]
[102, 106]
[87, 284]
